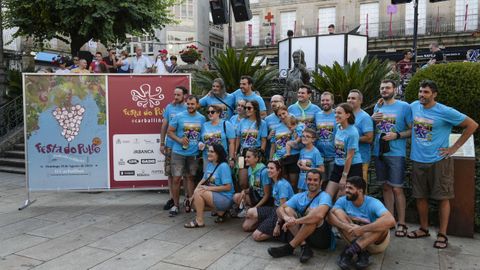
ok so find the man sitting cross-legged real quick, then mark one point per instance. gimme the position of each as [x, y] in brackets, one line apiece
[303, 215]
[363, 222]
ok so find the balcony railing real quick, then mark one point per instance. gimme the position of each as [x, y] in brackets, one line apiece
[11, 116]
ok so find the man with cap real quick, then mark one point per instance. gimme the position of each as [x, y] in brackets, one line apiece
[162, 64]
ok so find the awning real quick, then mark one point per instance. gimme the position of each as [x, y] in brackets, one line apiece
[45, 57]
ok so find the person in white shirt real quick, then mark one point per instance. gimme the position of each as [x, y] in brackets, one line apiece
[62, 67]
[140, 63]
[162, 64]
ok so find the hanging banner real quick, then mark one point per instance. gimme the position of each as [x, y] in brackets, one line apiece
[66, 132]
[135, 115]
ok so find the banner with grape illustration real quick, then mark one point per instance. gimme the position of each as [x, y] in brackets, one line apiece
[66, 132]
[135, 111]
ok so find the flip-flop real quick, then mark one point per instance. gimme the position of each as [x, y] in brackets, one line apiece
[193, 224]
[188, 208]
[401, 231]
[441, 244]
[415, 235]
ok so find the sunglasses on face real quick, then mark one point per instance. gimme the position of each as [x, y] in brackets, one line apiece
[212, 112]
[248, 108]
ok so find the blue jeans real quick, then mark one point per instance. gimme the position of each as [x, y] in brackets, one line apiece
[390, 170]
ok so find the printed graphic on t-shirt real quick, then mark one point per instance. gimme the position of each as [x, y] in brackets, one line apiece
[339, 149]
[281, 140]
[308, 121]
[422, 127]
[212, 138]
[249, 137]
[307, 162]
[325, 131]
[387, 124]
[191, 131]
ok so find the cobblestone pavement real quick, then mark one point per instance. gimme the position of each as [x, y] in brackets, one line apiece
[128, 230]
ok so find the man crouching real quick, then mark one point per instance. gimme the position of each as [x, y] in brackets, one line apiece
[303, 216]
[363, 222]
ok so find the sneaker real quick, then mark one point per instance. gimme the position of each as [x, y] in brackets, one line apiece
[345, 261]
[168, 204]
[242, 213]
[363, 260]
[306, 253]
[173, 211]
[280, 251]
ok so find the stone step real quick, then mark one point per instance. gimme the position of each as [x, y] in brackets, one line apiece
[14, 162]
[15, 154]
[9, 169]
[19, 146]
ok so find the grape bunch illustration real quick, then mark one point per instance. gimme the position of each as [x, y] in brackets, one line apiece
[69, 119]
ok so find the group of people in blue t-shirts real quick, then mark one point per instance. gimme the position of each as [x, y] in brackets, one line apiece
[302, 170]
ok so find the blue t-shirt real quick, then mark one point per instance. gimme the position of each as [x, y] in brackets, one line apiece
[217, 134]
[259, 180]
[238, 95]
[170, 112]
[272, 121]
[212, 100]
[189, 126]
[250, 135]
[221, 176]
[306, 116]
[431, 130]
[235, 122]
[326, 127]
[346, 139]
[281, 190]
[300, 200]
[364, 124]
[314, 159]
[396, 118]
[279, 141]
[297, 133]
[367, 213]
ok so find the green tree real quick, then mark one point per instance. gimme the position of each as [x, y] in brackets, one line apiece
[77, 21]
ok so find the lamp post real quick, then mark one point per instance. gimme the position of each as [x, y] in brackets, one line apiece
[415, 34]
[2, 66]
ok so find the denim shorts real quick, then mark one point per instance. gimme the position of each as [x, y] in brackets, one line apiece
[221, 201]
[184, 165]
[390, 170]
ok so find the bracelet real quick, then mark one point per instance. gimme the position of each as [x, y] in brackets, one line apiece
[345, 174]
[398, 135]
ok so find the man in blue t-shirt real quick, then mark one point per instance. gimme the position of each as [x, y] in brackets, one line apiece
[219, 96]
[326, 126]
[363, 222]
[393, 120]
[303, 216]
[432, 170]
[304, 110]
[178, 106]
[364, 125]
[184, 130]
[245, 92]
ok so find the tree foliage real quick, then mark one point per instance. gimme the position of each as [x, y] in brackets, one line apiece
[77, 21]
[364, 75]
[230, 66]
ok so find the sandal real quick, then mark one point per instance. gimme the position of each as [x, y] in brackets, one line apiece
[441, 244]
[415, 235]
[186, 203]
[221, 218]
[401, 231]
[193, 224]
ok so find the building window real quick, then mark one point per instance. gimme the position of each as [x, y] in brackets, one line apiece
[254, 33]
[326, 16]
[253, 1]
[422, 17]
[369, 19]
[287, 20]
[178, 40]
[184, 11]
[466, 15]
[146, 42]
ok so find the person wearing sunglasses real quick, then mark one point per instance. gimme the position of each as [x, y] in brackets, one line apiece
[219, 96]
[310, 158]
[215, 190]
[246, 92]
[217, 131]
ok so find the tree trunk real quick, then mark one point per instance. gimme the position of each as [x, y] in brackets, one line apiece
[76, 43]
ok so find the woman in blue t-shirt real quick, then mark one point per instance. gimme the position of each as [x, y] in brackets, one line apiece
[215, 190]
[240, 109]
[348, 161]
[258, 191]
[264, 218]
[123, 63]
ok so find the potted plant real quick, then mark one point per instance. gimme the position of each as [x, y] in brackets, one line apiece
[191, 54]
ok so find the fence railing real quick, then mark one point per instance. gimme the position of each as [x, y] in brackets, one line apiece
[11, 116]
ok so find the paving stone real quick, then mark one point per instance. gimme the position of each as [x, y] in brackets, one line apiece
[129, 237]
[178, 234]
[59, 229]
[21, 227]
[455, 261]
[82, 258]
[462, 245]
[234, 261]
[396, 265]
[412, 251]
[65, 244]
[141, 256]
[169, 266]
[17, 243]
[14, 262]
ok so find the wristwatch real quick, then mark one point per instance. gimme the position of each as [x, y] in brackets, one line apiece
[345, 174]
[398, 135]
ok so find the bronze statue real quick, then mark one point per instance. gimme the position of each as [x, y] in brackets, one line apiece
[297, 76]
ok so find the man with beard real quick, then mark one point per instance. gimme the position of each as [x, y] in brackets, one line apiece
[364, 125]
[245, 92]
[166, 143]
[363, 222]
[304, 110]
[432, 168]
[219, 96]
[303, 216]
[184, 129]
[392, 126]
[326, 128]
